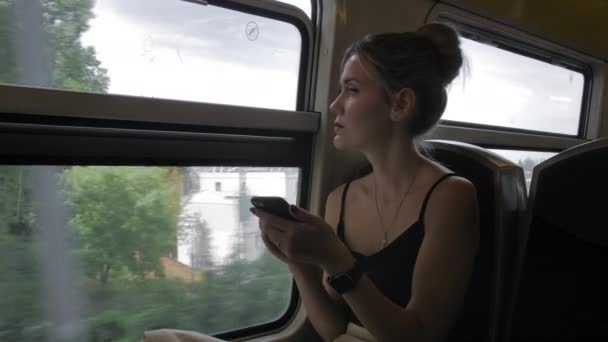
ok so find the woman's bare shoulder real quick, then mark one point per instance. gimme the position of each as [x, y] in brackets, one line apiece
[334, 199]
[332, 205]
[456, 199]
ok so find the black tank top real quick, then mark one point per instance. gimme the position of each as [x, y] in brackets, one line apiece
[391, 269]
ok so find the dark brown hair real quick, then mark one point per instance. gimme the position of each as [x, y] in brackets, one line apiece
[426, 61]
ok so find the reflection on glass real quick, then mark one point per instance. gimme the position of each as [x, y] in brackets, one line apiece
[510, 90]
[149, 247]
[526, 159]
[152, 48]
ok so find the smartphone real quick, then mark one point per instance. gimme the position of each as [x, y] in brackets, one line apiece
[274, 205]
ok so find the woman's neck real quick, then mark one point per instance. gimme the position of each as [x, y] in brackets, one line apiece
[395, 164]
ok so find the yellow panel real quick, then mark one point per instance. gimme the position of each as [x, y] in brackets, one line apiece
[581, 24]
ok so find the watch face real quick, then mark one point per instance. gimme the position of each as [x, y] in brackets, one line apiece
[346, 281]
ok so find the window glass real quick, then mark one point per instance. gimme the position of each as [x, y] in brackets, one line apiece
[526, 159]
[152, 48]
[501, 88]
[103, 253]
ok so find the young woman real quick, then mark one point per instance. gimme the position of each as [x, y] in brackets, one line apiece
[397, 246]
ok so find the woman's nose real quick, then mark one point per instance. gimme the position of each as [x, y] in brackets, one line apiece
[333, 107]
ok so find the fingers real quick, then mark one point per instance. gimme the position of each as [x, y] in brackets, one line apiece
[273, 232]
[303, 214]
[270, 220]
[274, 249]
[276, 237]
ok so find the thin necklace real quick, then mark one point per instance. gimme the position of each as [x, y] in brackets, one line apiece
[385, 229]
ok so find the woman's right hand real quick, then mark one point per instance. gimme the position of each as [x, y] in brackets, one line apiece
[273, 248]
[293, 266]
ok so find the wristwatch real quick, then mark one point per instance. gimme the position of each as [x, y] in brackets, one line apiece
[346, 281]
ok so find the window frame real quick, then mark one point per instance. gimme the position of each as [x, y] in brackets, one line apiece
[38, 125]
[61, 140]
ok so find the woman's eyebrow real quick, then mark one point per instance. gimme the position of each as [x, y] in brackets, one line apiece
[350, 79]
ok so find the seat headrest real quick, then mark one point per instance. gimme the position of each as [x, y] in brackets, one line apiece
[570, 191]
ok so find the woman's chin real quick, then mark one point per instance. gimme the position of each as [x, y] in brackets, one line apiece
[339, 143]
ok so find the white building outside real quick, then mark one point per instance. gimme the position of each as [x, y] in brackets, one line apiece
[232, 229]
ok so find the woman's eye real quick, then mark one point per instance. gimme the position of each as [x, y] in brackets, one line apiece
[351, 90]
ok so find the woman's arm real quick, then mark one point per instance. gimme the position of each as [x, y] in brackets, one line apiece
[324, 307]
[441, 274]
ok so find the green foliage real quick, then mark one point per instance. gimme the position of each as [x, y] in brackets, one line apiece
[21, 303]
[73, 66]
[243, 294]
[117, 212]
[19, 274]
[15, 203]
[123, 218]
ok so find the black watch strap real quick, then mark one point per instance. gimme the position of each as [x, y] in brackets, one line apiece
[346, 281]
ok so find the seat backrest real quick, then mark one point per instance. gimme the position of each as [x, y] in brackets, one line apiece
[563, 288]
[502, 199]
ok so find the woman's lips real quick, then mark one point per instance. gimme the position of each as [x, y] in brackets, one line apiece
[337, 126]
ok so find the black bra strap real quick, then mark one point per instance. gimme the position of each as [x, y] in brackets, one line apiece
[428, 195]
[342, 204]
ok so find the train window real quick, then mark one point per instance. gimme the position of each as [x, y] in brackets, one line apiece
[121, 214]
[526, 159]
[152, 48]
[132, 248]
[503, 89]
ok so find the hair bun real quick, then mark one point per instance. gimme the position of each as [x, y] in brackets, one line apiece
[446, 41]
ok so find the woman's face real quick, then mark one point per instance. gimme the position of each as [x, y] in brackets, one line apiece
[362, 109]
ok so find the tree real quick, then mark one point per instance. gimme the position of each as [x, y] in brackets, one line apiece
[21, 304]
[244, 293]
[20, 273]
[70, 65]
[202, 256]
[15, 204]
[527, 164]
[124, 218]
[74, 66]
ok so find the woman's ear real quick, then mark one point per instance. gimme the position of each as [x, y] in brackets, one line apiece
[404, 103]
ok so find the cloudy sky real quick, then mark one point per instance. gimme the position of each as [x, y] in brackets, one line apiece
[506, 89]
[180, 50]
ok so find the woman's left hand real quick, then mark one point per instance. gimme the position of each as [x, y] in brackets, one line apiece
[310, 241]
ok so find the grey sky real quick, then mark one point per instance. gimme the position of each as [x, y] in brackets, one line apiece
[180, 50]
[507, 89]
[221, 31]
